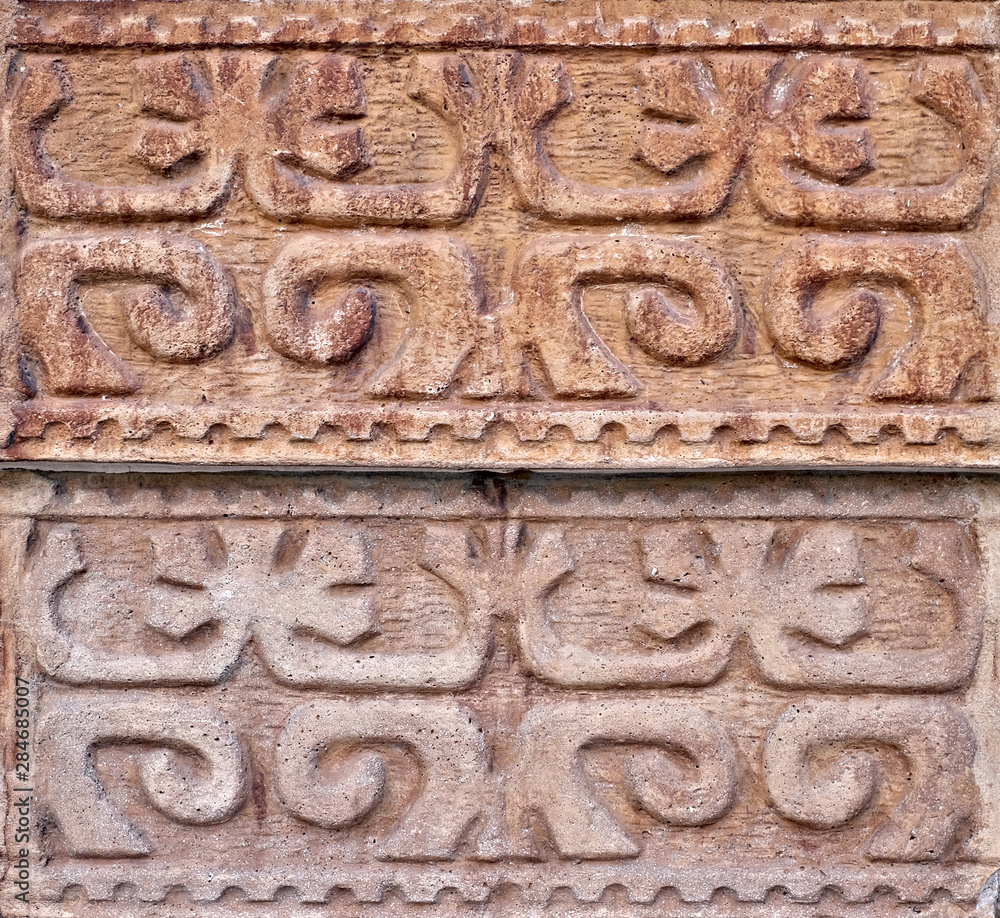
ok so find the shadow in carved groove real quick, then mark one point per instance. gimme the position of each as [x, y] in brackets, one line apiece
[182, 308]
[800, 593]
[547, 317]
[699, 115]
[305, 599]
[951, 347]
[177, 98]
[165, 732]
[806, 158]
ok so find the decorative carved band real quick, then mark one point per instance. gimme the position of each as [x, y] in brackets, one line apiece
[445, 681]
[302, 245]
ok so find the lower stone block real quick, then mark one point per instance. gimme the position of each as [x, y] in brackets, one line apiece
[528, 695]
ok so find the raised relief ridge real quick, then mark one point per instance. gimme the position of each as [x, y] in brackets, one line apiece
[487, 687]
[421, 238]
[758, 23]
[422, 256]
[686, 256]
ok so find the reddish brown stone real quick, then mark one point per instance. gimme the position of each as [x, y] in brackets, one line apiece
[552, 235]
[639, 235]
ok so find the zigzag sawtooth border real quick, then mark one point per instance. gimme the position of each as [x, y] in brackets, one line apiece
[151, 23]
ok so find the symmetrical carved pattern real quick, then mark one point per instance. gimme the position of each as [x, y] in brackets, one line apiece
[698, 588]
[313, 634]
[610, 216]
[805, 159]
[694, 662]
[297, 177]
[819, 614]
[441, 683]
[635, 236]
[702, 115]
[294, 171]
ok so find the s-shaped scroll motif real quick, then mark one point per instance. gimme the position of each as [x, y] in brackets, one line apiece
[691, 613]
[810, 787]
[951, 344]
[699, 115]
[176, 145]
[805, 158]
[300, 170]
[182, 309]
[165, 736]
[813, 634]
[437, 276]
[551, 781]
[548, 319]
[442, 739]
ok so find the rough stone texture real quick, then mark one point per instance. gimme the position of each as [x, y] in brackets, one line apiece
[646, 235]
[351, 695]
[638, 234]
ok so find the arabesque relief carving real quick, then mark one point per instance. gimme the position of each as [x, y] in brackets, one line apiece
[68, 736]
[416, 672]
[953, 347]
[804, 151]
[500, 460]
[921, 826]
[202, 578]
[539, 240]
[176, 105]
[453, 758]
[73, 358]
[458, 681]
[697, 588]
[548, 313]
[697, 113]
[552, 780]
[446, 326]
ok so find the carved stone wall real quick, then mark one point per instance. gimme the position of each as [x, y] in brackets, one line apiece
[415, 278]
[539, 234]
[477, 695]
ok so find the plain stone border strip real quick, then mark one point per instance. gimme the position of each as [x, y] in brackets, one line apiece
[491, 495]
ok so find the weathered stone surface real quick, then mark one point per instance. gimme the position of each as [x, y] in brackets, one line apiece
[641, 234]
[338, 694]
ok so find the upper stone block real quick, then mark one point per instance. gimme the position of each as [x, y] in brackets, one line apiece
[543, 234]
